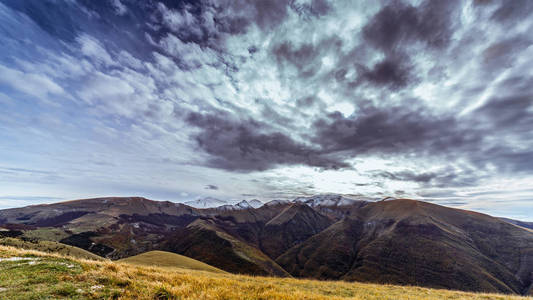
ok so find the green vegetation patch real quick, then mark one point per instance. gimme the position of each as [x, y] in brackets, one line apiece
[46, 233]
[33, 277]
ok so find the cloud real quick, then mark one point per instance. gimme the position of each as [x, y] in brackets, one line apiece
[408, 175]
[92, 48]
[32, 84]
[391, 129]
[120, 9]
[511, 11]
[398, 24]
[291, 97]
[248, 145]
[211, 187]
[503, 53]
[390, 72]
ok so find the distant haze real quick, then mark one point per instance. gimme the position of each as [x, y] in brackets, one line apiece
[242, 100]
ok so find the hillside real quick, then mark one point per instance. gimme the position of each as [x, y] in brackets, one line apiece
[528, 225]
[332, 238]
[168, 259]
[417, 243]
[28, 274]
[50, 247]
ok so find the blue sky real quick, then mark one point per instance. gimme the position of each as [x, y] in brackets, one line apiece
[175, 100]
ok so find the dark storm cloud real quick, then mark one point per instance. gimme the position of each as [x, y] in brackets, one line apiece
[511, 114]
[397, 24]
[512, 119]
[447, 177]
[393, 72]
[267, 13]
[512, 11]
[503, 54]
[501, 132]
[249, 145]
[307, 57]
[390, 129]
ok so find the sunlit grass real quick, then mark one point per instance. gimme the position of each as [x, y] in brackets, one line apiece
[54, 277]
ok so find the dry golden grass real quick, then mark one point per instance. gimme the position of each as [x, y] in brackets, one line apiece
[106, 279]
[50, 247]
[169, 260]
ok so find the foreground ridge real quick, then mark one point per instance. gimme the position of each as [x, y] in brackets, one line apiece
[45, 275]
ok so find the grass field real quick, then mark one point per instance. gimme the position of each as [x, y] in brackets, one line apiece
[30, 274]
[168, 259]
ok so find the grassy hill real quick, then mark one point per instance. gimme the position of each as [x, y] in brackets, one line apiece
[50, 247]
[29, 274]
[168, 259]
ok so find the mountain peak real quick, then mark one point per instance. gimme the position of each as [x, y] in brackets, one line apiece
[326, 200]
[255, 203]
[243, 204]
[240, 205]
[206, 202]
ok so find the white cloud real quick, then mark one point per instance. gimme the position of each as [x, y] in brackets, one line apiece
[120, 9]
[93, 49]
[32, 84]
[126, 59]
[189, 54]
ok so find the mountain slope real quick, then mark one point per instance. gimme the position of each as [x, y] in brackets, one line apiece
[293, 225]
[528, 225]
[217, 248]
[418, 243]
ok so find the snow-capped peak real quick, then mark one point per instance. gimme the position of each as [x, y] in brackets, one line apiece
[242, 205]
[207, 202]
[326, 200]
[255, 203]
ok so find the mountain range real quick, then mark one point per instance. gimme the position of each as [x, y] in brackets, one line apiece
[398, 241]
[210, 202]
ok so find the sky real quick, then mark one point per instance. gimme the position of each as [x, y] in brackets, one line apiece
[235, 99]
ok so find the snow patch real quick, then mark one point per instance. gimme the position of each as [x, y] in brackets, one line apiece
[16, 258]
[241, 205]
[326, 200]
[207, 202]
[255, 203]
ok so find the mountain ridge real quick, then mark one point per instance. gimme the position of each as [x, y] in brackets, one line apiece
[398, 241]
